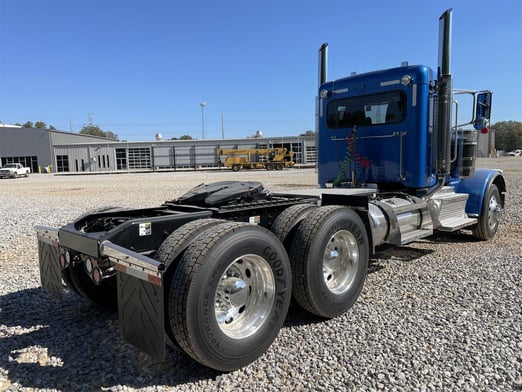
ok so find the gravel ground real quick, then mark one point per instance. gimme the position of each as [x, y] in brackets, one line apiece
[439, 314]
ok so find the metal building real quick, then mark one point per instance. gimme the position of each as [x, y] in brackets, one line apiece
[62, 152]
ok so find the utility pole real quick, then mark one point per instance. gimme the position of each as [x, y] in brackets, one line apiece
[203, 104]
[222, 125]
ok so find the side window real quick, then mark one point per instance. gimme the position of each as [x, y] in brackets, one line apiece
[367, 110]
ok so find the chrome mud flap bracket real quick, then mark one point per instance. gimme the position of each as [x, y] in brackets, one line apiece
[140, 299]
[49, 260]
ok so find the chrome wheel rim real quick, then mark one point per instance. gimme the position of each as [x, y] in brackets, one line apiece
[494, 210]
[245, 296]
[340, 262]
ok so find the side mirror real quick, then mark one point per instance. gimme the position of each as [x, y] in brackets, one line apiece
[483, 109]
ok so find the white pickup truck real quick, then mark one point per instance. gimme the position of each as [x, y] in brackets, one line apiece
[13, 170]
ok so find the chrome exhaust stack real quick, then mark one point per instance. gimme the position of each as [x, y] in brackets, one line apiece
[323, 63]
[445, 96]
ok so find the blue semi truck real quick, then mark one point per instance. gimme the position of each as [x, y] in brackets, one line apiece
[212, 272]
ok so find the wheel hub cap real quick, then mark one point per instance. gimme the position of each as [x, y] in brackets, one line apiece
[245, 296]
[340, 261]
[494, 212]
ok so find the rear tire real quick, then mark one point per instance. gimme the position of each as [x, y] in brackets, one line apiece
[66, 276]
[230, 295]
[235, 168]
[169, 253]
[104, 294]
[285, 224]
[489, 219]
[329, 256]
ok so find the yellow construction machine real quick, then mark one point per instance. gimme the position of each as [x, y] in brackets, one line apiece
[256, 158]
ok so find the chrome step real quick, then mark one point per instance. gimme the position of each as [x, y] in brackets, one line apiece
[456, 224]
[415, 235]
[448, 210]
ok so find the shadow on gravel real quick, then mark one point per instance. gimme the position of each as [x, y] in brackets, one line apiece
[72, 345]
[297, 316]
[452, 238]
[402, 253]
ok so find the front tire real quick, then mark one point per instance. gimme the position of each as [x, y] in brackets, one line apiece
[329, 256]
[489, 219]
[230, 293]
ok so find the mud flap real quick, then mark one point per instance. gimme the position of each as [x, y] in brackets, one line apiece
[141, 314]
[50, 270]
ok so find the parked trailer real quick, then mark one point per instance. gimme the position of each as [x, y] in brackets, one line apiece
[212, 272]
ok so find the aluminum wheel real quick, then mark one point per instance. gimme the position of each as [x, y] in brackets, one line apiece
[340, 262]
[494, 210]
[230, 294]
[244, 297]
[490, 215]
[329, 254]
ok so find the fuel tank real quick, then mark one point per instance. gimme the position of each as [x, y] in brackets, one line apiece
[399, 220]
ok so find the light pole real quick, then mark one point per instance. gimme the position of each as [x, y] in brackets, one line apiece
[222, 125]
[203, 104]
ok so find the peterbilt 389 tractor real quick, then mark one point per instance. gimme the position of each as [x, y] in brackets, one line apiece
[212, 272]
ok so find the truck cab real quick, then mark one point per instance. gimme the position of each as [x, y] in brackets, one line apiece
[378, 126]
[397, 132]
[378, 129]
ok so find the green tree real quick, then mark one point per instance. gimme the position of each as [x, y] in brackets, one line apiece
[508, 135]
[308, 133]
[40, 124]
[111, 135]
[94, 130]
[28, 124]
[185, 137]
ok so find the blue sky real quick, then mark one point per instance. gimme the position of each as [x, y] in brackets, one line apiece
[141, 67]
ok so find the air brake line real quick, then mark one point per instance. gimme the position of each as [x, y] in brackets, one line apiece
[350, 152]
[359, 162]
[344, 166]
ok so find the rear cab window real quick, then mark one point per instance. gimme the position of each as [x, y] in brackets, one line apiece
[367, 110]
